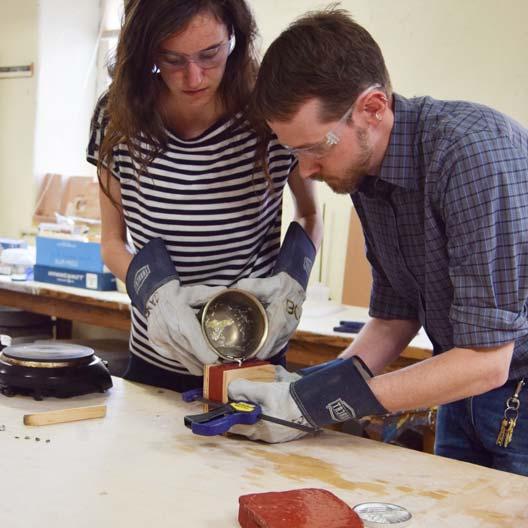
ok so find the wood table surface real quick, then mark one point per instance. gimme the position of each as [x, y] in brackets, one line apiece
[139, 466]
[314, 342]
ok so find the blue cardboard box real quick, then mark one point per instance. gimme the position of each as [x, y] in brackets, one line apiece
[70, 254]
[77, 278]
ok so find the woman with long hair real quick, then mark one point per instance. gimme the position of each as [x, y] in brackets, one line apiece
[176, 160]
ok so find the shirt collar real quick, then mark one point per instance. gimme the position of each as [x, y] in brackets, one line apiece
[399, 164]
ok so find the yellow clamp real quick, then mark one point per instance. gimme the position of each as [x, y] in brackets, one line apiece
[242, 406]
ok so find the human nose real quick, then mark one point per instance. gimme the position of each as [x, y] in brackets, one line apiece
[193, 74]
[307, 166]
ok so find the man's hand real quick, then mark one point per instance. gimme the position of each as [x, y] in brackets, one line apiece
[336, 392]
[284, 292]
[171, 309]
[275, 400]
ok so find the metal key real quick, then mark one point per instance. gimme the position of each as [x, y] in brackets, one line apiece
[509, 421]
[509, 434]
[502, 432]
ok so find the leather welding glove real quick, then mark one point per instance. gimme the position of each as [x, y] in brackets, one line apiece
[281, 374]
[173, 327]
[283, 293]
[258, 392]
[336, 393]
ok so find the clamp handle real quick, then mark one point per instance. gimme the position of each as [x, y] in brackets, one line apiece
[192, 395]
[221, 419]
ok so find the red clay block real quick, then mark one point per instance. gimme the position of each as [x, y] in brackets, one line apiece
[303, 508]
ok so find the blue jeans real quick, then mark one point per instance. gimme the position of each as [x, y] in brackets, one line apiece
[467, 430]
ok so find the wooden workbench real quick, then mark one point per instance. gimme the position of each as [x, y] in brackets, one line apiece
[140, 466]
[314, 341]
[106, 309]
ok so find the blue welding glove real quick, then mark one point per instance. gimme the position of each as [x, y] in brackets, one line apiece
[315, 368]
[337, 393]
[281, 374]
[284, 292]
[170, 308]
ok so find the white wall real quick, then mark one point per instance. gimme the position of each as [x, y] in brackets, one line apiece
[457, 49]
[68, 34]
[18, 46]
[453, 49]
[44, 119]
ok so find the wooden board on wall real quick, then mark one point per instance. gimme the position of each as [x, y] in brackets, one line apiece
[357, 281]
[80, 198]
[48, 200]
[76, 196]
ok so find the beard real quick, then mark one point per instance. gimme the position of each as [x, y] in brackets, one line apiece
[348, 181]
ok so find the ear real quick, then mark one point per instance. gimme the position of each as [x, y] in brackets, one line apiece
[374, 105]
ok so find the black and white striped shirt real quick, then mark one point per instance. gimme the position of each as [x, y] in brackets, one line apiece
[220, 220]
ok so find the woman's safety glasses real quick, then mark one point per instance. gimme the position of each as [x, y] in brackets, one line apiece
[205, 59]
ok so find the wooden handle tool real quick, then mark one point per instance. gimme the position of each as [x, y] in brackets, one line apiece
[65, 415]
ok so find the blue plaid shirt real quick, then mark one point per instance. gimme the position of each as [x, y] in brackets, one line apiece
[446, 226]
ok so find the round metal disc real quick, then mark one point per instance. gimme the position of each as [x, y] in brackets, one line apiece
[47, 352]
[383, 515]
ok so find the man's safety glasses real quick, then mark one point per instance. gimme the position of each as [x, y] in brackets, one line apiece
[205, 59]
[333, 137]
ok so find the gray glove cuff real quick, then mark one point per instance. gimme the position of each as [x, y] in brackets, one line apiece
[150, 269]
[337, 393]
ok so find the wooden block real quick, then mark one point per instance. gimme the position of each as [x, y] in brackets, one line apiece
[218, 377]
[65, 415]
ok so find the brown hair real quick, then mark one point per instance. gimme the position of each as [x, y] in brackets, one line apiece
[130, 103]
[323, 55]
